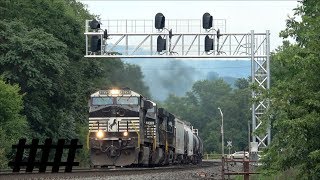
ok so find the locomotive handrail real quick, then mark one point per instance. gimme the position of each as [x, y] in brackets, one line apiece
[154, 140]
[135, 129]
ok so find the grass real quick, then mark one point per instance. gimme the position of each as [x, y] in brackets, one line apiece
[290, 174]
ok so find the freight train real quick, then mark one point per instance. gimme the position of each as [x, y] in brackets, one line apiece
[127, 129]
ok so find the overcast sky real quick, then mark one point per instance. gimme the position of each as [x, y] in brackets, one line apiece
[241, 16]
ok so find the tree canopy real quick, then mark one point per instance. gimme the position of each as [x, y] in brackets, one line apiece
[295, 96]
[42, 50]
[13, 124]
[200, 107]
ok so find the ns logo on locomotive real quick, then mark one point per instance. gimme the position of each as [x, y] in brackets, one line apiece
[126, 129]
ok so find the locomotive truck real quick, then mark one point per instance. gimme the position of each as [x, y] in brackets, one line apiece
[128, 129]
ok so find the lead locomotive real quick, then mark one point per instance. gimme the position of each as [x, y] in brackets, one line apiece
[127, 129]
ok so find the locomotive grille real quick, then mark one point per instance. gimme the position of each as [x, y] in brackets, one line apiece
[114, 124]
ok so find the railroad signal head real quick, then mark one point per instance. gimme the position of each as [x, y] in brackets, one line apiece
[94, 24]
[208, 44]
[159, 21]
[161, 44]
[95, 44]
[207, 21]
[105, 34]
[170, 34]
[218, 34]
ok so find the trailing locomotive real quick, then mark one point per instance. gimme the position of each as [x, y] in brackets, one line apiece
[127, 129]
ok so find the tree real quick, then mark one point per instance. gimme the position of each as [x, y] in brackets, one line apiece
[41, 50]
[13, 125]
[200, 108]
[295, 96]
[121, 74]
[37, 62]
[241, 83]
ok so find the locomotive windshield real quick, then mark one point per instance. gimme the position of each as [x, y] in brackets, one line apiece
[102, 101]
[128, 100]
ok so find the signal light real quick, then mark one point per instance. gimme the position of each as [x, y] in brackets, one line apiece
[95, 44]
[218, 34]
[208, 44]
[161, 44]
[207, 21]
[159, 21]
[94, 24]
[105, 34]
[170, 34]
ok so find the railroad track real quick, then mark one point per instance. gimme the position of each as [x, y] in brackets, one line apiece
[86, 172]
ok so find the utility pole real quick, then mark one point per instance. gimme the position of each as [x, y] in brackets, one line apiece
[249, 134]
[222, 144]
[222, 133]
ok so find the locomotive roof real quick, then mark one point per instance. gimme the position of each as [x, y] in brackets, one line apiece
[115, 92]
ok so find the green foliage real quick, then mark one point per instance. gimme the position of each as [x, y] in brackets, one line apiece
[62, 18]
[120, 75]
[200, 107]
[295, 96]
[34, 59]
[13, 125]
[289, 174]
[41, 49]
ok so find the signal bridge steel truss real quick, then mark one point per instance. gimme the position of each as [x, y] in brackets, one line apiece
[138, 39]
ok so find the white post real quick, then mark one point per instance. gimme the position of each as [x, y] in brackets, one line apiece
[222, 134]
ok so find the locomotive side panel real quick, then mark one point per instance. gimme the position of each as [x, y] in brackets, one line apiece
[190, 141]
[179, 136]
[196, 144]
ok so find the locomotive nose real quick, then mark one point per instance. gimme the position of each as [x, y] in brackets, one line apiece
[113, 111]
[113, 151]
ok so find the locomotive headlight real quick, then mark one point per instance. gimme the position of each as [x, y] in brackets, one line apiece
[115, 92]
[100, 134]
[125, 133]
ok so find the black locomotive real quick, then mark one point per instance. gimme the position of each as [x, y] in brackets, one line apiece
[127, 129]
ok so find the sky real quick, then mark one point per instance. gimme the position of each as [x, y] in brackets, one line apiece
[241, 16]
